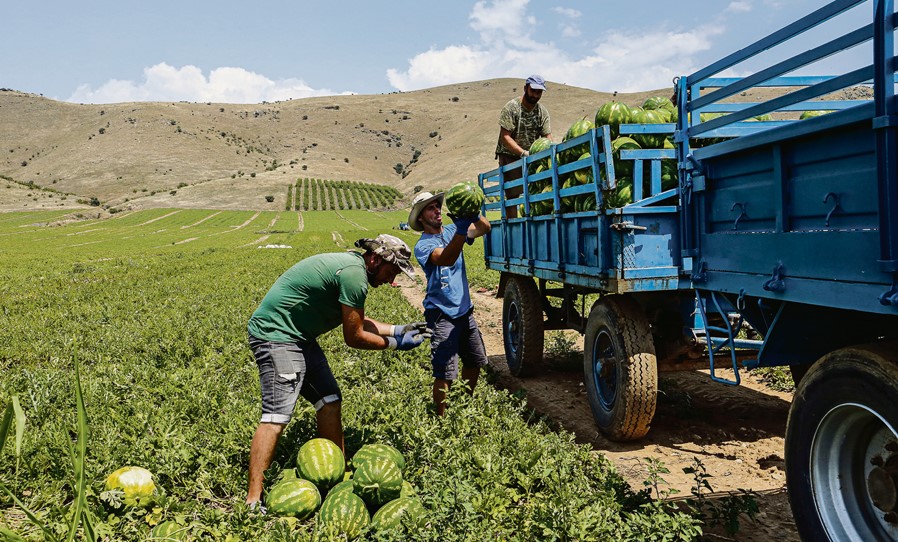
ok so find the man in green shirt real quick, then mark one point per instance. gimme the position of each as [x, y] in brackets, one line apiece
[315, 296]
[521, 122]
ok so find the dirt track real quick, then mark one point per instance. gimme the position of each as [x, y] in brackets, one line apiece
[736, 432]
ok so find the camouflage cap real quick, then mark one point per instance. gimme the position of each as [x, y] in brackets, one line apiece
[391, 249]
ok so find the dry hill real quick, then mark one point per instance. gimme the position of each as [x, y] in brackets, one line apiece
[229, 156]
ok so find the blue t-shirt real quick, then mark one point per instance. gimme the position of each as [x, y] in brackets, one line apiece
[447, 287]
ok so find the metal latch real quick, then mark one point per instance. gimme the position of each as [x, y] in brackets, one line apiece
[625, 226]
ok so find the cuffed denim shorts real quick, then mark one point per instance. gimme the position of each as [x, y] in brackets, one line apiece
[287, 370]
[454, 339]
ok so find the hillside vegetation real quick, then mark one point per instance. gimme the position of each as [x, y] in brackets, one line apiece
[227, 156]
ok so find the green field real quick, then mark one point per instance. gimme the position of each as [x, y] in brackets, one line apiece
[153, 305]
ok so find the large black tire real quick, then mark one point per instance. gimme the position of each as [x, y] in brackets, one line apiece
[522, 326]
[620, 368]
[842, 447]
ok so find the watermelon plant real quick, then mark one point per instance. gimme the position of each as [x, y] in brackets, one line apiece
[133, 486]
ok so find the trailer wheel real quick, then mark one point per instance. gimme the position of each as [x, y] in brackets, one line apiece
[620, 367]
[842, 447]
[522, 326]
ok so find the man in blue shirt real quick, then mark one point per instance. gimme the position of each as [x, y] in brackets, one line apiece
[447, 303]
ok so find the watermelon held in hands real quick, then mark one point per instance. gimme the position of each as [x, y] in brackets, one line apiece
[294, 497]
[370, 451]
[396, 513]
[464, 199]
[377, 481]
[321, 462]
[136, 485]
[344, 513]
[541, 144]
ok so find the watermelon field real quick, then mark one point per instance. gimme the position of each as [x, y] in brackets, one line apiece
[147, 311]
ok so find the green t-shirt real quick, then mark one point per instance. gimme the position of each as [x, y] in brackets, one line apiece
[306, 300]
[525, 126]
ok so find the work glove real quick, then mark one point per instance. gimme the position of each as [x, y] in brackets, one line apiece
[399, 330]
[409, 339]
[463, 223]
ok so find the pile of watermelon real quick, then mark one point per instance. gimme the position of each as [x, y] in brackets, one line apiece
[372, 495]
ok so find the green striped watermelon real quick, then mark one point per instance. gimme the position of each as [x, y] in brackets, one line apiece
[623, 167]
[345, 485]
[577, 129]
[669, 174]
[613, 114]
[621, 196]
[584, 175]
[540, 145]
[344, 513]
[293, 497]
[408, 490]
[657, 102]
[543, 207]
[169, 530]
[377, 480]
[321, 462]
[649, 141]
[404, 509]
[464, 199]
[370, 451]
[586, 202]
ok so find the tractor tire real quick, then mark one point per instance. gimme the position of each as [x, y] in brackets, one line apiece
[522, 326]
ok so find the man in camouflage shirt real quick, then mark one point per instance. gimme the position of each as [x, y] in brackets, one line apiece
[521, 122]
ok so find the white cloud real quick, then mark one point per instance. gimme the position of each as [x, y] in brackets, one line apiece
[569, 31]
[626, 61]
[739, 6]
[568, 12]
[165, 83]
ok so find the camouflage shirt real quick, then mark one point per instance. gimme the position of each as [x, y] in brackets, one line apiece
[525, 126]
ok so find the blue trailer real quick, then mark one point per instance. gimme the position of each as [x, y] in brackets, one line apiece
[785, 227]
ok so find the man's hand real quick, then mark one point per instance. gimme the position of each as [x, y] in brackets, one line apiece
[463, 223]
[399, 330]
[410, 339]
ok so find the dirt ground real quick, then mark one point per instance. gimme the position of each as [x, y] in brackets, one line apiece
[736, 432]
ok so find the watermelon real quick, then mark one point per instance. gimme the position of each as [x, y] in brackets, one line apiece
[761, 118]
[404, 509]
[649, 141]
[577, 129]
[408, 490]
[543, 207]
[540, 145]
[657, 102]
[136, 483]
[370, 451]
[294, 497]
[584, 176]
[669, 174]
[377, 481]
[345, 485]
[464, 199]
[344, 513]
[623, 167]
[169, 530]
[613, 114]
[620, 196]
[586, 202]
[321, 462]
[567, 202]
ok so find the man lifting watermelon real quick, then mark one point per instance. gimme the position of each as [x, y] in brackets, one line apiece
[314, 296]
[447, 302]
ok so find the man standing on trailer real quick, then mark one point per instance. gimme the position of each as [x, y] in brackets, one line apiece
[521, 122]
[313, 297]
[448, 309]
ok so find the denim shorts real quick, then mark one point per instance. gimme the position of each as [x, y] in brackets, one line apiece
[454, 339]
[287, 370]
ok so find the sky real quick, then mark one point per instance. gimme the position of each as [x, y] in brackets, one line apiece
[109, 51]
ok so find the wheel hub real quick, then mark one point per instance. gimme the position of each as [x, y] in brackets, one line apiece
[882, 486]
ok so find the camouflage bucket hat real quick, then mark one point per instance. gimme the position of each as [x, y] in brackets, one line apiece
[391, 249]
